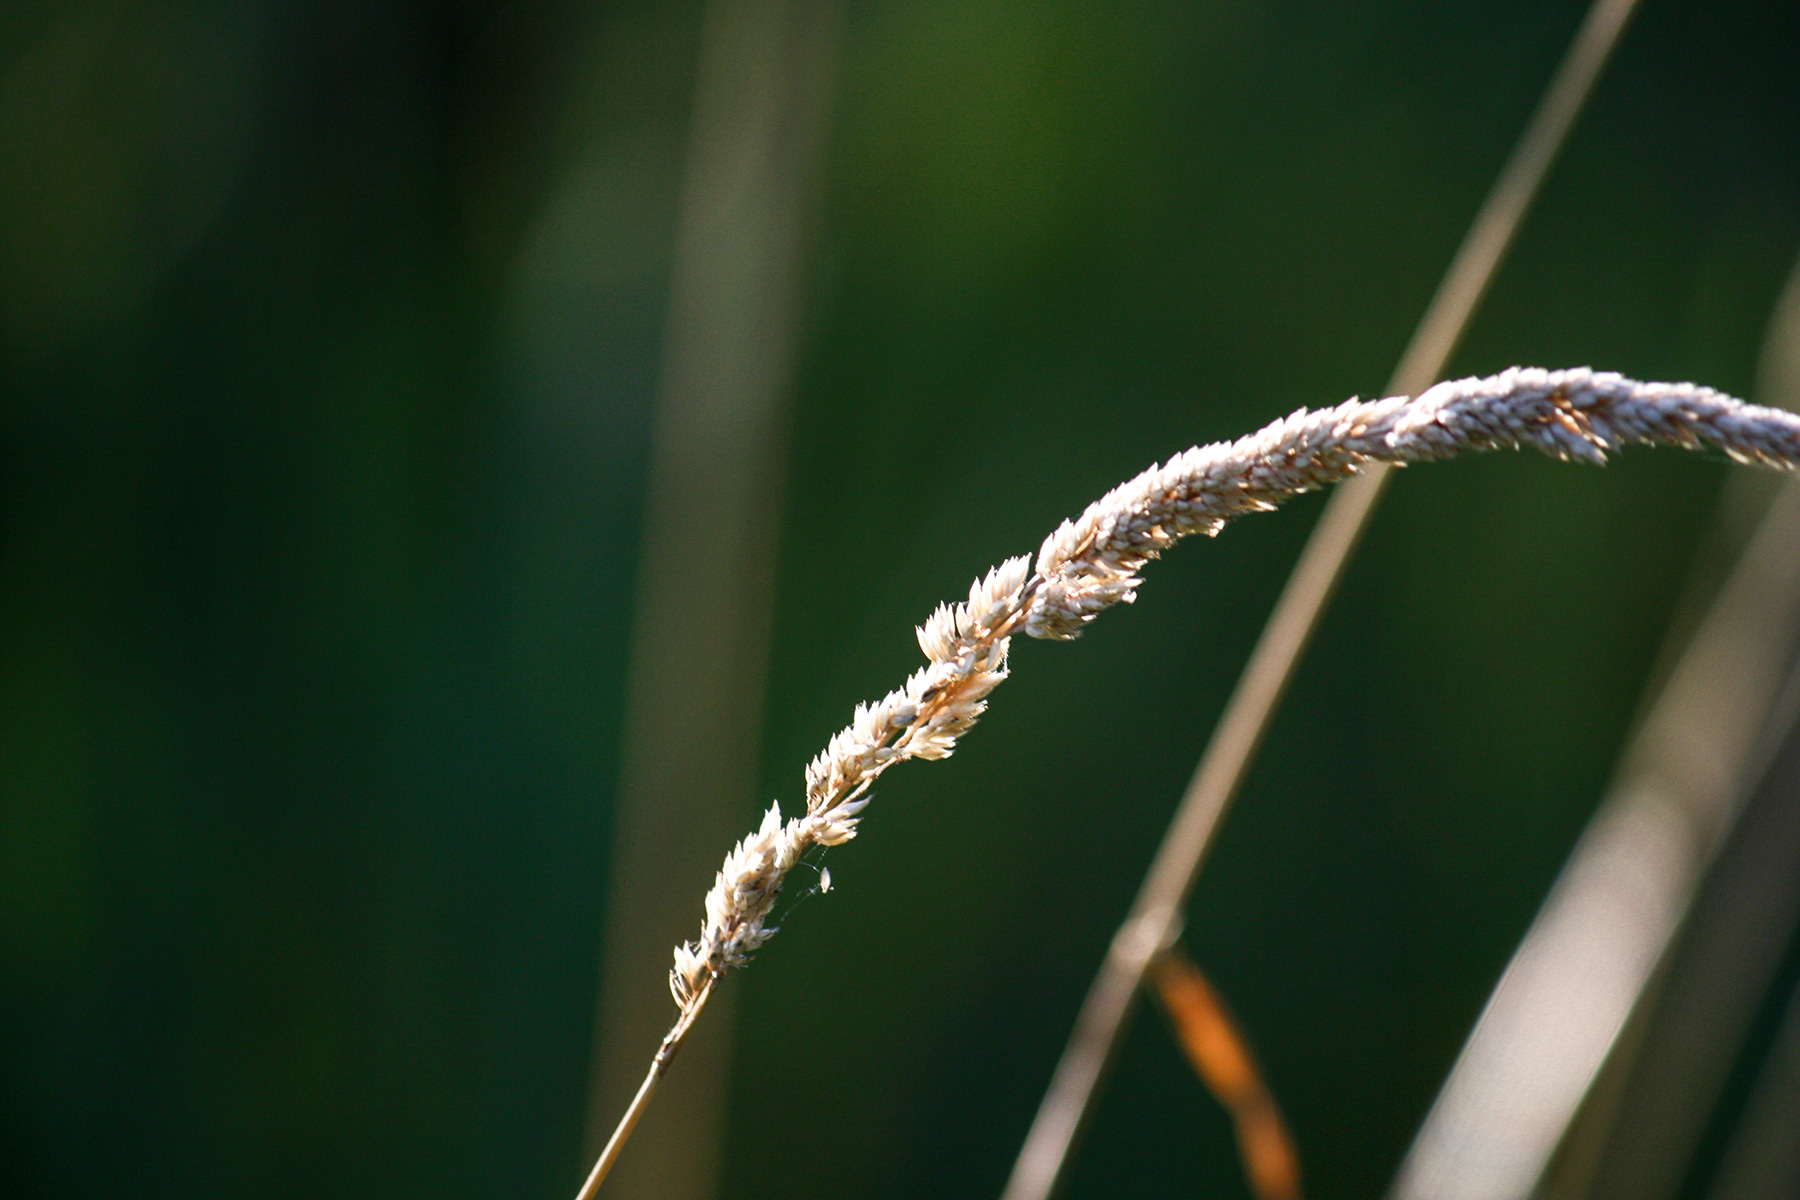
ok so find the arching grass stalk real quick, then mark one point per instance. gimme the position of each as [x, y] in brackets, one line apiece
[1091, 563]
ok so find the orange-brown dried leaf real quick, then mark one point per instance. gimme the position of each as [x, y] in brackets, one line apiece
[1221, 1057]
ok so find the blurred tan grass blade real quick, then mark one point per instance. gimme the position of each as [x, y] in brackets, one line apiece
[705, 589]
[1221, 1057]
[1672, 1089]
[1155, 916]
[1590, 953]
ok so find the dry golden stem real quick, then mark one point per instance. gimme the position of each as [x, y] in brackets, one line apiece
[665, 1054]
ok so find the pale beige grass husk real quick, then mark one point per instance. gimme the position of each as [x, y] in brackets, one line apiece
[1092, 562]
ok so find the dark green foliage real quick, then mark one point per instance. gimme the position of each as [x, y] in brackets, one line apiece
[319, 493]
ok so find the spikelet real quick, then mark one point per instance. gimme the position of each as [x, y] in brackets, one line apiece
[1091, 563]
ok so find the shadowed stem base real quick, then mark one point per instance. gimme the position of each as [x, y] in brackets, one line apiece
[665, 1054]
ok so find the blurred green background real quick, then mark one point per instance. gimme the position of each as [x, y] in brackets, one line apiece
[330, 337]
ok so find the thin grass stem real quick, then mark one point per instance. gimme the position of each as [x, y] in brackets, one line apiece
[659, 1064]
[1155, 917]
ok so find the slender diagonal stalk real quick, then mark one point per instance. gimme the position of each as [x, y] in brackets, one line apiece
[659, 1064]
[1154, 922]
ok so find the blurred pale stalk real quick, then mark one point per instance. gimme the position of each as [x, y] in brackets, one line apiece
[1667, 1092]
[1592, 950]
[705, 575]
[1155, 918]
